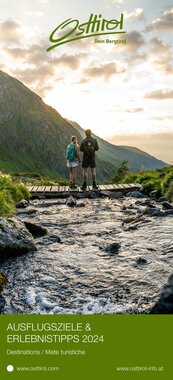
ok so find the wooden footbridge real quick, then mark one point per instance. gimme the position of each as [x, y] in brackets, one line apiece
[65, 191]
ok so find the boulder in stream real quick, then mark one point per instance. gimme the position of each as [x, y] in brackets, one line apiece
[15, 239]
[23, 204]
[2, 303]
[113, 248]
[166, 205]
[35, 229]
[164, 305]
[135, 194]
[71, 202]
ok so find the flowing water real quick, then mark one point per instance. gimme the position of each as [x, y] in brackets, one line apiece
[78, 275]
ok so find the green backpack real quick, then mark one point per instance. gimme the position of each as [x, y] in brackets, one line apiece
[71, 153]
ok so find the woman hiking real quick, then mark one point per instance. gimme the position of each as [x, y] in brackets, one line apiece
[73, 160]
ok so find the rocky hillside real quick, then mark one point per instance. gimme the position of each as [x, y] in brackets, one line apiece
[33, 137]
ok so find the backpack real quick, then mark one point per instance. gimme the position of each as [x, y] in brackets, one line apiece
[71, 153]
[89, 148]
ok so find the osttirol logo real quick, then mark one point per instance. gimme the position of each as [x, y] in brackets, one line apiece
[95, 26]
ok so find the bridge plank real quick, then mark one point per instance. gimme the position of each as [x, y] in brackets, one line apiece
[40, 189]
[54, 189]
[65, 190]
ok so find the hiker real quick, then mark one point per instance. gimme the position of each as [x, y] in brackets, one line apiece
[73, 160]
[89, 146]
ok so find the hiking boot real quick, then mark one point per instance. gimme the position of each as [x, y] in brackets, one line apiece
[95, 187]
[84, 186]
[74, 187]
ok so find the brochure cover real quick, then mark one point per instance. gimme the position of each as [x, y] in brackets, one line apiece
[86, 189]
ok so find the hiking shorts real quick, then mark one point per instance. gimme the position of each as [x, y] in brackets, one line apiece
[72, 164]
[88, 162]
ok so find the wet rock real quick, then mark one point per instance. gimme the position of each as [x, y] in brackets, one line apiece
[116, 195]
[135, 194]
[132, 206]
[141, 261]
[105, 194]
[55, 238]
[94, 195]
[80, 196]
[31, 211]
[71, 202]
[27, 179]
[166, 205]
[161, 199]
[26, 211]
[2, 303]
[168, 212]
[35, 229]
[154, 194]
[165, 303]
[23, 204]
[80, 204]
[144, 202]
[153, 205]
[2, 284]
[153, 212]
[131, 228]
[139, 212]
[15, 239]
[113, 248]
[134, 219]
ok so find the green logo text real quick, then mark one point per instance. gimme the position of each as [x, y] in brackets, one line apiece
[95, 26]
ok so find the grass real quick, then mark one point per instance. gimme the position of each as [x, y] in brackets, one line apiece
[159, 179]
[40, 180]
[11, 193]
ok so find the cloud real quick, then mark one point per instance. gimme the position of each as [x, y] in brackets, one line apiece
[162, 118]
[136, 15]
[10, 32]
[34, 14]
[117, 3]
[40, 70]
[105, 70]
[72, 61]
[37, 54]
[2, 67]
[135, 42]
[133, 110]
[160, 94]
[165, 22]
[43, 1]
[34, 54]
[161, 56]
[38, 79]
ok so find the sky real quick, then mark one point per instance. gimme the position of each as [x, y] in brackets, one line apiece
[112, 89]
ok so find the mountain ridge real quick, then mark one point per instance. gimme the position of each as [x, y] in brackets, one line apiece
[34, 137]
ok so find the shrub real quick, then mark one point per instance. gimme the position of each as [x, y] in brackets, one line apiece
[132, 178]
[167, 182]
[169, 193]
[151, 185]
[7, 204]
[10, 194]
[121, 171]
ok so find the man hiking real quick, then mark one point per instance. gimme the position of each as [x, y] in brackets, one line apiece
[89, 146]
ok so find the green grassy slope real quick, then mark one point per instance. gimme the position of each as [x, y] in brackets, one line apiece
[34, 137]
